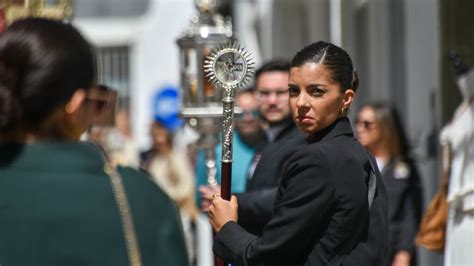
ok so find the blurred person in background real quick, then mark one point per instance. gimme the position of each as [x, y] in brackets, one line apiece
[248, 123]
[248, 135]
[172, 171]
[380, 130]
[58, 205]
[122, 146]
[112, 132]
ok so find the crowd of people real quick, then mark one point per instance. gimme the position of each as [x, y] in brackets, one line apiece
[310, 186]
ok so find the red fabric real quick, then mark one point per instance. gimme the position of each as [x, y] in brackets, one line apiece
[2, 19]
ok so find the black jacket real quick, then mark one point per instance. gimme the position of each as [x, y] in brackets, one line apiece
[321, 213]
[404, 205]
[255, 205]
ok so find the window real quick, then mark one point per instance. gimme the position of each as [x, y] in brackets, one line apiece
[113, 70]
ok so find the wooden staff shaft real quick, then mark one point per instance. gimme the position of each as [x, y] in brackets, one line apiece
[227, 142]
[226, 180]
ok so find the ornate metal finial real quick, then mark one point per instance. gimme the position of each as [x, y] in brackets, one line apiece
[229, 66]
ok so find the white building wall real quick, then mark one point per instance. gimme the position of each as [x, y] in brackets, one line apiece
[154, 54]
[246, 15]
[422, 42]
[285, 27]
[155, 59]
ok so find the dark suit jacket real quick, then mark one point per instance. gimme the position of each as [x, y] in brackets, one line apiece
[256, 204]
[321, 214]
[404, 205]
[57, 208]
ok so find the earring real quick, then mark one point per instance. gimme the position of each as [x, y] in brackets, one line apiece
[69, 109]
[342, 110]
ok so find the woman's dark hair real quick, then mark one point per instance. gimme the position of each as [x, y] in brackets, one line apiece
[42, 63]
[393, 132]
[277, 65]
[159, 124]
[334, 58]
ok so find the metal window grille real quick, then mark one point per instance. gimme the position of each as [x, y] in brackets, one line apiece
[113, 65]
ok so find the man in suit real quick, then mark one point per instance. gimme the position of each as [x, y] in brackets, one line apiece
[248, 135]
[282, 140]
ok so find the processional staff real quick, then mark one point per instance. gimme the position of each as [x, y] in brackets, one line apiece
[229, 67]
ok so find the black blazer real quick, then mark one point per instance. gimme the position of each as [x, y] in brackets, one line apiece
[256, 204]
[405, 205]
[321, 213]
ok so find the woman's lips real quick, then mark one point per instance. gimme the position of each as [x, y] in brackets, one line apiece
[304, 119]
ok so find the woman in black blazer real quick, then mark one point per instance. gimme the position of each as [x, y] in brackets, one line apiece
[331, 206]
[379, 129]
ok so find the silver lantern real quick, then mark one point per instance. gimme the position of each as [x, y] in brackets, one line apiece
[201, 105]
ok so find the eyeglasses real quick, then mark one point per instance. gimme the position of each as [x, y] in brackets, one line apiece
[264, 94]
[365, 124]
[252, 113]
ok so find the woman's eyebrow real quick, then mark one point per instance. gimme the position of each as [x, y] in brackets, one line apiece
[316, 85]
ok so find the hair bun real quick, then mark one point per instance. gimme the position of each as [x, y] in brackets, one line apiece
[10, 110]
[355, 80]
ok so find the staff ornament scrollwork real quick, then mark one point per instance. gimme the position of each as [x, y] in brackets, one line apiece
[228, 67]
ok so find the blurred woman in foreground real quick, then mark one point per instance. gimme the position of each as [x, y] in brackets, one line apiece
[59, 203]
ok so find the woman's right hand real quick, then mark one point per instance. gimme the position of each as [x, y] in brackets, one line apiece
[222, 211]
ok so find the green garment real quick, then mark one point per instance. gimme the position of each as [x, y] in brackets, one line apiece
[57, 208]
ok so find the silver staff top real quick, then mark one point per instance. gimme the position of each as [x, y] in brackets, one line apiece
[228, 67]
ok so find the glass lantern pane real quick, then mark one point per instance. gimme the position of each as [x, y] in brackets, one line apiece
[192, 80]
[208, 89]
